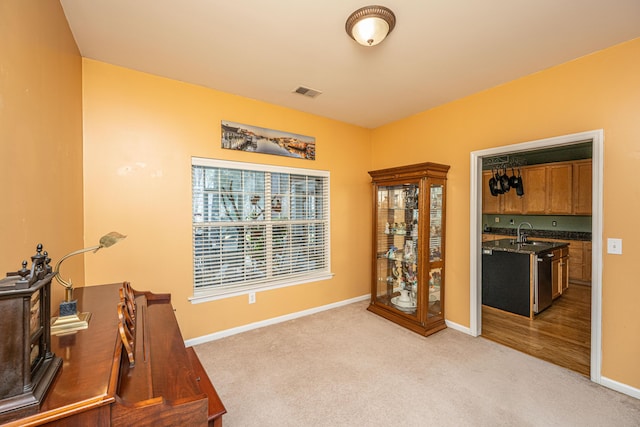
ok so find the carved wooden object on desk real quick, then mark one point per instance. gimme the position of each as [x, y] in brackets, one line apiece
[28, 365]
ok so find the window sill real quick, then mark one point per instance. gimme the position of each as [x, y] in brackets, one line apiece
[217, 294]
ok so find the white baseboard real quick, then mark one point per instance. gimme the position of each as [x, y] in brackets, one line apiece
[620, 387]
[458, 327]
[233, 331]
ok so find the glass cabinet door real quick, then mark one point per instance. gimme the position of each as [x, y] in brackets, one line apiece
[397, 247]
[435, 250]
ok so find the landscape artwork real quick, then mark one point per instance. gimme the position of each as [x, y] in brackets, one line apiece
[237, 136]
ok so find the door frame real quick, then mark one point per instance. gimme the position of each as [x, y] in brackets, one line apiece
[475, 282]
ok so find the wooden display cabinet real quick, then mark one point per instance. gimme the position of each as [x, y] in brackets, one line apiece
[408, 268]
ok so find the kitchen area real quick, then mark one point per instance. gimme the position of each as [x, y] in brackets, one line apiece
[536, 253]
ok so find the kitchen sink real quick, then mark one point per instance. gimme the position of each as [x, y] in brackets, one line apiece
[536, 243]
[531, 243]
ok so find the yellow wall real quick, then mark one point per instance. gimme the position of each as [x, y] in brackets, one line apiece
[141, 130]
[41, 136]
[601, 90]
[140, 133]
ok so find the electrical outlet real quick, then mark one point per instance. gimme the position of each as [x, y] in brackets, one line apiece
[554, 223]
[497, 219]
[252, 297]
[511, 222]
[614, 246]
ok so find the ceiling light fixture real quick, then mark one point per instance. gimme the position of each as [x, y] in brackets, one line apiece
[370, 25]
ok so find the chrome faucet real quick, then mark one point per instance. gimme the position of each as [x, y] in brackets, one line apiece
[522, 238]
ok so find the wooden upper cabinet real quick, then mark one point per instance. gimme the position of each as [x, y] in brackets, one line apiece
[534, 179]
[507, 203]
[511, 202]
[562, 188]
[490, 204]
[559, 189]
[582, 178]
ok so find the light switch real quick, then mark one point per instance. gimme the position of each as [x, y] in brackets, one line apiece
[614, 246]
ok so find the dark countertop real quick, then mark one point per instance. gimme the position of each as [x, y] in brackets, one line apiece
[531, 247]
[541, 234]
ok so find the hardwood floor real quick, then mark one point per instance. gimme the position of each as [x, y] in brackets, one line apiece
[561, 334]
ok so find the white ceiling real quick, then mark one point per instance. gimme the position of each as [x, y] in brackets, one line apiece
[440, 50]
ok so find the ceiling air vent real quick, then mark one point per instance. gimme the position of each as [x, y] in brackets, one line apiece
[311, 93]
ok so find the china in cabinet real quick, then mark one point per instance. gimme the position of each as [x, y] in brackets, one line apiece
[409, 246]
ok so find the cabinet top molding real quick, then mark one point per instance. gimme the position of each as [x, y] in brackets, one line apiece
[429, 169]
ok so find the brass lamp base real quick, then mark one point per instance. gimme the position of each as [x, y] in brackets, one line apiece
[63, 325]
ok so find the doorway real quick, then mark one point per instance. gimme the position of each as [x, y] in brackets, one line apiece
[597, 139]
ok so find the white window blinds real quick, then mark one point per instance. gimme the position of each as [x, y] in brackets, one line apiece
[257, 226]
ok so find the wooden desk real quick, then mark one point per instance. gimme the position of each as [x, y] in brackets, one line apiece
[96, 386]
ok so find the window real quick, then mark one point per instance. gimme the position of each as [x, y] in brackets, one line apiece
[257, 226]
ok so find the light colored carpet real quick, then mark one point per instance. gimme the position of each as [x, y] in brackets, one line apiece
[349, 367]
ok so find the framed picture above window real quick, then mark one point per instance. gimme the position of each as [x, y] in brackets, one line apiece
[257, 226]
[238, 136]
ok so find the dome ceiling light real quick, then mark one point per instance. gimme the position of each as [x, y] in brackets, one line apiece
[370, 25]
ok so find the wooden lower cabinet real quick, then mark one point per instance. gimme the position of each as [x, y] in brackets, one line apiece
[560, 271]
[579, 260]
[556, 287]
[580, 265]
[576, 267]
[586, 269]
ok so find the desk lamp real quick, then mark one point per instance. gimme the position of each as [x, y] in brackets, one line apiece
[70, 320]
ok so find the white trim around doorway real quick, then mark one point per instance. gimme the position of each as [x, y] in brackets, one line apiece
[597, 138]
